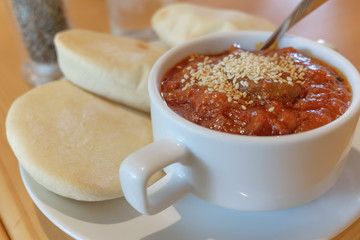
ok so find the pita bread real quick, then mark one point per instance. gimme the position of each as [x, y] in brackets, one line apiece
[176, 23]
[111, 66]
[73, 142]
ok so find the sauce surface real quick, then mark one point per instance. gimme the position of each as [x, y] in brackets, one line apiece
[262, 93]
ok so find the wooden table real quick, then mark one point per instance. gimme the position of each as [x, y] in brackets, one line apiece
[337, 22]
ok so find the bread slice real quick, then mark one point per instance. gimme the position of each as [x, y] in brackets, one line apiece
[114, 67]
[178, 22]
[73, 142]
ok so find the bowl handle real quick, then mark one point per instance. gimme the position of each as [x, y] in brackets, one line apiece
[137, 168]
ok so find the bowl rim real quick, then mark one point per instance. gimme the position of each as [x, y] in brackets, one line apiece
[157, 101]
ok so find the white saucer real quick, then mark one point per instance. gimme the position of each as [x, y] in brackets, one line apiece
[192, 218]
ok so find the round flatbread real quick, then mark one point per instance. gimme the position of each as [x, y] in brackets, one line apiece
[73, 142]
[179, 22]
[113, 67]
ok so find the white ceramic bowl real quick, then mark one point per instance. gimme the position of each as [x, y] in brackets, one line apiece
[239, 172]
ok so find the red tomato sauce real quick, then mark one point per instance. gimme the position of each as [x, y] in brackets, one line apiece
[262, 93]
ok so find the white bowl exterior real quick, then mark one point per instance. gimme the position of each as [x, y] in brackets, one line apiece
[256, 173]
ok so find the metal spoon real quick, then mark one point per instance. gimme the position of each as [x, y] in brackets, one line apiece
[302, 9]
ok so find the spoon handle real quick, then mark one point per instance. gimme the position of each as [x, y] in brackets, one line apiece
[302, 9]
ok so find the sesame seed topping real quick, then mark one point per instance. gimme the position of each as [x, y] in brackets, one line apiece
[271, 109]
[238, 70]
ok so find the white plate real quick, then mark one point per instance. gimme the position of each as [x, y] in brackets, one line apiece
[195, 219]
[192, 218]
